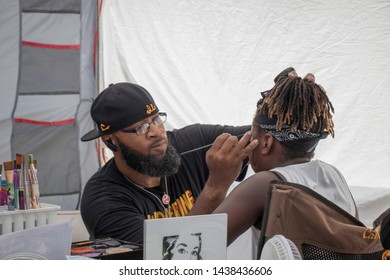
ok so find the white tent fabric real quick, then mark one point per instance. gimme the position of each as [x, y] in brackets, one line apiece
[207, 60]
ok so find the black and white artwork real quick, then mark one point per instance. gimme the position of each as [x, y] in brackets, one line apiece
[202, 237]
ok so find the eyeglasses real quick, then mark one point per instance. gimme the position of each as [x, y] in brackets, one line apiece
[144, 128]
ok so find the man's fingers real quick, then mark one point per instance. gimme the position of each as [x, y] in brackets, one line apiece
[244, 140]
[228, 145]
[250, 147]
[245, 146]
[224, 142]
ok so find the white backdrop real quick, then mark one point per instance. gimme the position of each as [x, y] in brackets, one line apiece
[207, 60]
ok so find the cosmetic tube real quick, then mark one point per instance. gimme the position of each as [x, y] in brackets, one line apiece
[9, 178]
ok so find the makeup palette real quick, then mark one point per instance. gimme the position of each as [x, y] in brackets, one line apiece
[107, 249]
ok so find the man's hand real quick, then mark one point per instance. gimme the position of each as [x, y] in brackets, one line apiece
[225, 158]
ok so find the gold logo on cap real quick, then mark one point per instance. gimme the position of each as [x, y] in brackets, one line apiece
[104, 127]
[150, 108]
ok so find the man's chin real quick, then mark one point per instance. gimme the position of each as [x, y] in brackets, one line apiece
[159, 151]
[158, 154]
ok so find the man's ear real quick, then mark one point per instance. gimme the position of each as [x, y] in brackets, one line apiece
[108, 141]
[105, 138]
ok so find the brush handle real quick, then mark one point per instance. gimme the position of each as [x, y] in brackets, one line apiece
[196, 149]
[203, 147]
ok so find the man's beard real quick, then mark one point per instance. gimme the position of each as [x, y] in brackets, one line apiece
[166, 165]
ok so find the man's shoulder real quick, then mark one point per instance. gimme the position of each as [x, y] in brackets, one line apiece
[106, 174]
[194, 128]
[190, 136]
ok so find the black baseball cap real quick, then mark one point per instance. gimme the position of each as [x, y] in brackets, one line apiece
[119, 106]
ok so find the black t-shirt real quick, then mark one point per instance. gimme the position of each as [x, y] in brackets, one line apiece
[113, 206]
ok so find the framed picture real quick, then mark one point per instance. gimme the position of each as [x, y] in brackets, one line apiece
[202, 237]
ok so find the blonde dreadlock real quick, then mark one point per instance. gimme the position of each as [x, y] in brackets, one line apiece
[300, 103]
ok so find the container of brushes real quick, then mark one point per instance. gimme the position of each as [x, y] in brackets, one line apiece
[11, 221]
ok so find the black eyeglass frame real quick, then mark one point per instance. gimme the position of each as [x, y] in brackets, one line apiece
[144, 128]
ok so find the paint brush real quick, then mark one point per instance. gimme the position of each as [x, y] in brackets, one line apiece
[19, 188]
[16, 185]
[22, 203]
[26, 183]
[35, 200]
[203, 147]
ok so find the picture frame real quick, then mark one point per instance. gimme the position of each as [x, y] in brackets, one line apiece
[201, 237]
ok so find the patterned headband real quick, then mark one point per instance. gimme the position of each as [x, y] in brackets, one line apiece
[301, 140]
[286, 134]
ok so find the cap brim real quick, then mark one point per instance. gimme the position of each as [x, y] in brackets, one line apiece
[93, 134]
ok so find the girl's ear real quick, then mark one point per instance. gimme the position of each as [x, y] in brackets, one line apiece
[266, 143]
